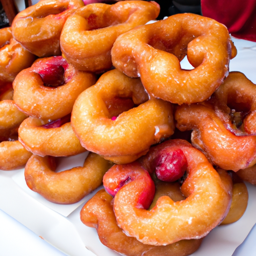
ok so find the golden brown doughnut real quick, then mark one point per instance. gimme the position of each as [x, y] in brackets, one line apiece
[49, 88]
[154, 51]
[66, 187]
[238, 93]
[98, 213]
[239, 202]
[214, 133]
[119, 140]
[39, 26]
[53, 139]
[248, 174]
[88, 35]
[10, 115]
[13, 57]
[208, 198]
[13, 155]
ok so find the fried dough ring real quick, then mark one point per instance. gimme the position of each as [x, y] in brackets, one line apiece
[34, 96]
[207, 203]
[41, 140]
[164, 44]
[215, 135]
[13, 57]
[66, 187]
[38, 27]
[98, 213]
[239, 93]
[239, 200]
[119, 140]
[88, 35]
[248, 174]
[10, 115]
[13, 155]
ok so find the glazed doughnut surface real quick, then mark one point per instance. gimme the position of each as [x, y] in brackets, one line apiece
[207, 202]
[119, 139]
[39, 26]
[88, 35]
[154, 51]
[68, 186]
[49, 139]
[13, 57]
[98, 213]
[49, 88]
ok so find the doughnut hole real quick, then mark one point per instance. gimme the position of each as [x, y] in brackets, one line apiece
[52, 76]
[118, 105]
[170, 189]
[236, 96]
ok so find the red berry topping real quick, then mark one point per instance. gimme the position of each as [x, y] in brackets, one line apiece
[171, 165]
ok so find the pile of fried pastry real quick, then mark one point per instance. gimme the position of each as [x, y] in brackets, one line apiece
[172, 147]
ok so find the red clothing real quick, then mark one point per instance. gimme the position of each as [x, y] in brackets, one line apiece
[238, 15]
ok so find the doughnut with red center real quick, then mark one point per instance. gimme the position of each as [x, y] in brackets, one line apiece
[208, 199]
[38, 27]
[98, 213]
[88, 35]
[66, 187]
[13, 57]
[56, 138]
[154, 51]
[49, 88]
[120, 139]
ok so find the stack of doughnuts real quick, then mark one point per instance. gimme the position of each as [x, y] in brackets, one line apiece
[172, 147]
